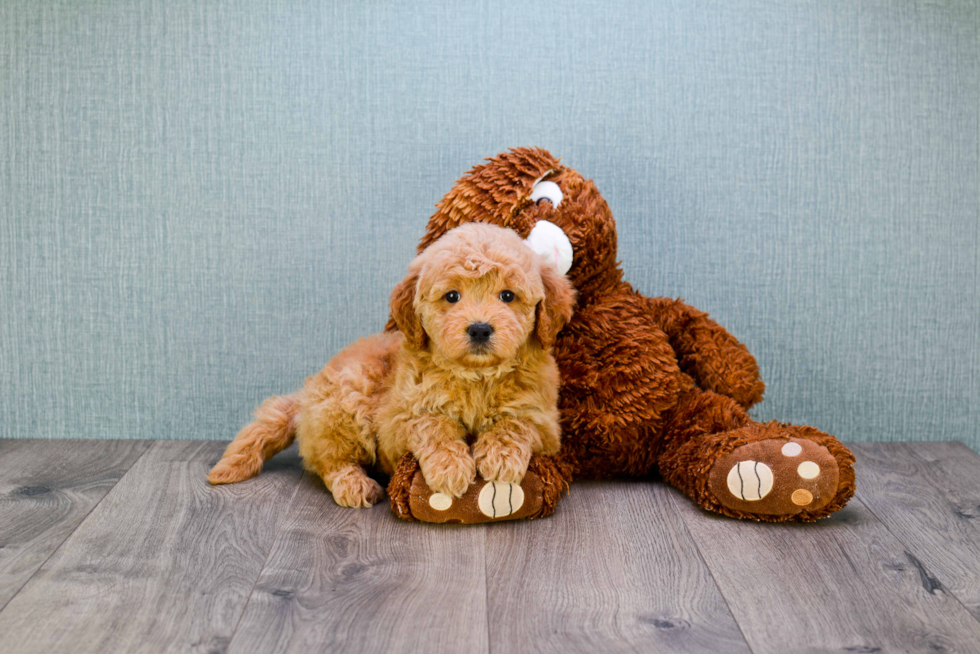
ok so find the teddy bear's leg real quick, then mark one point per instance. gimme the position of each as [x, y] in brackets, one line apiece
[535, 497]
[733, 465]
[707, 352]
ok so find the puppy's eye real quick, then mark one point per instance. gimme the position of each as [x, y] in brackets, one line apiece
[507, 296]
[546, 191]
[452, 297]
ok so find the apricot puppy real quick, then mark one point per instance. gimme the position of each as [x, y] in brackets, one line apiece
[466, 384]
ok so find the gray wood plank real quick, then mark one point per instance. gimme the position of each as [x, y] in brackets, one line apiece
[614, 570]
[842, 584]
[928, 494]
[345, 580]
[47, 487]
[165, 562]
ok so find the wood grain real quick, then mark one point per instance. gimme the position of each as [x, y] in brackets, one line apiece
[842, 584]
[928, 494]
[47, 487]
[164, 562]
[345, 580]
[614, 570]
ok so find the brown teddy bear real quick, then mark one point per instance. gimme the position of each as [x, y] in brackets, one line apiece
[649, 385]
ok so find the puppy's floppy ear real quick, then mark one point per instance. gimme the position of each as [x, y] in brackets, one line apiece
[403, 310]
[555, 310]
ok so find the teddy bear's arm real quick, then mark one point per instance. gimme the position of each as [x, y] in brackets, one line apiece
[715, 359]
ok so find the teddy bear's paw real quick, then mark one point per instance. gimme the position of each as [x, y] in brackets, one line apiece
[353, 488]
[776, 477]
[494, 499]
[484, 501]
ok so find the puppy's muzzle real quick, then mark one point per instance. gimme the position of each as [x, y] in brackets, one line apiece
[479, 333]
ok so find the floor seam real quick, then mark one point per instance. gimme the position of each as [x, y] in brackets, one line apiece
[486, 585]
[149, 446]
[908, 550]
[697, 548]
[946, 589]
[265, 561]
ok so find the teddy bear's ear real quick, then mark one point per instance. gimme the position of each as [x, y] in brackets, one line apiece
[403, 311]
[555, 310]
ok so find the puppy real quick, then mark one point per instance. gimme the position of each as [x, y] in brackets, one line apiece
[467, 384]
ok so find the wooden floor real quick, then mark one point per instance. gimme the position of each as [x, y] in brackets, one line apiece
[121, 546]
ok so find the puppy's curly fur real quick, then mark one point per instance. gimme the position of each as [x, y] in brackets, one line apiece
[459, 399]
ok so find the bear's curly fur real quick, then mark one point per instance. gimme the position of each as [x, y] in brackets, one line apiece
[649, 385]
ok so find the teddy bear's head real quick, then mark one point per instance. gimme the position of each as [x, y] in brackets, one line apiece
[560, 213]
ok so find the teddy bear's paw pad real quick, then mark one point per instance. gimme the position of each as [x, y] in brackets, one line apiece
[776, 476]
[440, 501]
[750, 480]
[498, 499]
[483, 501]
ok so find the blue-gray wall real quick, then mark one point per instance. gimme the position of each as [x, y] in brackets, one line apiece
[200, 202]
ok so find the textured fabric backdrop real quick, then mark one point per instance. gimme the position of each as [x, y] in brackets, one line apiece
[201, 202]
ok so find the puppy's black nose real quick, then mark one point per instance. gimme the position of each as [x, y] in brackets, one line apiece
[479, 332]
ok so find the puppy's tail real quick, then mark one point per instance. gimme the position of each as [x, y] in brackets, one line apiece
[272, 431]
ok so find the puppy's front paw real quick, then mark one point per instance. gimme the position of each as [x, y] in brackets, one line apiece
[496, 461]
[355, 489]
[448, 468]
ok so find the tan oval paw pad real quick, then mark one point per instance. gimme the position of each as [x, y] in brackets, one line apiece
[791, 449]
[801, 497]
[808, 470]
[498, 499]
[440, 501]
[750, 480]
